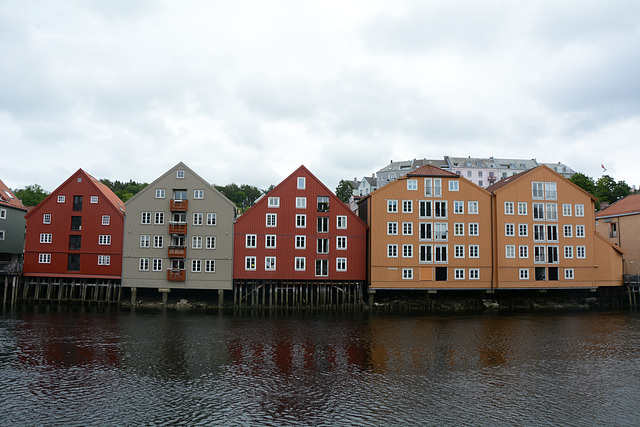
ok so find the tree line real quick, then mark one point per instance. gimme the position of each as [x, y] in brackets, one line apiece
[605, 189]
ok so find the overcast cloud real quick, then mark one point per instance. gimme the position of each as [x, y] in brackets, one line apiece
[246, 91]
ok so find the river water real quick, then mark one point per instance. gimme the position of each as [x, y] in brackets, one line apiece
[99, 366]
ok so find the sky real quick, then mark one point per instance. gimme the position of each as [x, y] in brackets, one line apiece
[247, 91]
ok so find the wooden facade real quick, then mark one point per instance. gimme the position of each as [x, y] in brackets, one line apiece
[619, 223]
[76, 233]
[429, 229]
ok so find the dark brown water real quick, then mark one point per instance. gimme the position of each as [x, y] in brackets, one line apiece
[74, 366]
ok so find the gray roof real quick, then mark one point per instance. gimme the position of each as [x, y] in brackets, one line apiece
[518, 164]
[472, 162]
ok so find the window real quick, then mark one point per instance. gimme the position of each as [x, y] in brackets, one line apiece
[94, 199]
[440, 209]
[392, 251]
[458, 251]
[568, 252]
[46, 237]
[425, 209]
[301, 242]
[146, 218]
[568, 231]
[180, 195]
[510, 251]
[458, 229]
[474, 251]
[76, 223]
[581, 252]
[104, 259]
[301, 202]
[552, 255]
[73, 262]
[509, 230]
[210, 266]
[552, 233]
[412, 184]
[143, 265]
[407, 229]
[579, 209]
[77, 203]
[407, 274]
[568, 273]
[508, 208]
[323, 203]
[426, 230]
[579, 230]
[523, 251]
[341, 242]
[407, 251]
[524, 274]
[323, 246]
[46, 218]
[440, 253]
[341, 264]
[552, 211]
[272, 219]
[159, 218]
[469, 174]
[428, 190]
[407, 206]
[322, 267]
[426, 253]
[211, 242]
[196, 242]
[523, 230]
[180, 174]
[538, 254]
[106, 219]
[522, 208]
[157, 264]
[145, 241]
[474, 274]
[458, 207]
[392, 228]
[566, 209]
[157, 241]
[453, 185]
[270, 263]
[613, 230]
[104, 239]
[274, 202]
[472, 207]
[550, 192]
[341, 221]
[270, 241]
[440, 230]
[537, 190]
[473, 229]
[538, 233]
[198, 194]
[300, 263]
[250, 241]
[538, 211]
[437, 187]
[250, 263]
[60, 199]
[392, 206]
[160, 193]
[301, 183]
[75, 242]
[481, 184]
[212, 218]
[198, 218]
[301, 221]
[540, 274]
[323, 224]
[458, 274]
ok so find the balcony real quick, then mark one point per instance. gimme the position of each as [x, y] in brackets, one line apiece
[175, 275]
[177, 227]
[177, 251]
[179, 205]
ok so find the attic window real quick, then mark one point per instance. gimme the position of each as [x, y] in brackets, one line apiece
[79, 179]
[180, 174]
[9, 195]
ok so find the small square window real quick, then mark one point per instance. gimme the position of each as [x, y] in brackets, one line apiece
[60, 199]
[46, 219]
[198, 194]
[301, 183]
[94, 199]
[180, 174]
[274, 202]
[160, 193]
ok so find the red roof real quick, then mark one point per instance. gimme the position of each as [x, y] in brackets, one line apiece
[7, 198]
[626, 206]
[430, 170]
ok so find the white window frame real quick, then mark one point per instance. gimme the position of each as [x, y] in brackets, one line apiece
[106, 219]
[301, 203]
[474, 229]
[270, 241]
[145, 218]
[301, 221]
[454, 185]
[392, 206]
[104, 239]
[301, 183]
[271, 220]
[301, 242]
[300, 263]
[158, 218]
[522, 208]
[143, 264]
[269, 263]
[474, 274]
[341, 243]
[210, 266]
[458, 251]
[46, 218]
[158, 241]
[508, 208]
[46, 238]
[510, 251]
[198, 194]
[579, 209]
[250, 263]
[458, 273]
[210, 242]
[524, 274]
[160, 193]
[341, 264]
[251, 241]
[412, 185]
[44, 258]
[273, 202]
[61, 199]
[407, 206]
[341, 222]
[472, 207]
[212, 219]
[196, 242]
[145, 241]
[407, 274]
[569, 274]
[93, 199]
[198, 218]
[474, 251]
[392, 250]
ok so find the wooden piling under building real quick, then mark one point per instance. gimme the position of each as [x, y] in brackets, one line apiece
[297, 294]
[47, 289]
[632, 282]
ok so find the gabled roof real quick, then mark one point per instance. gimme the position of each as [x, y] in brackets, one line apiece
[628, 206]
[516, 163]
[430, 170]
[109, 195]
[471, 162]
[7, 198]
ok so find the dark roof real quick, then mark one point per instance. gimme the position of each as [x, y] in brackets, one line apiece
[626, 206]
[430, 170]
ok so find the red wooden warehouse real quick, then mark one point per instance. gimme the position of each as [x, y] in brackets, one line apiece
[73, 244]
[299, 245]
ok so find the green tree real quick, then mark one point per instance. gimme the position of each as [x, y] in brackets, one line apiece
[31, 195]
[243, 196]
[344, 190]
[124, 190]
[585, 182]
[609, 190]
